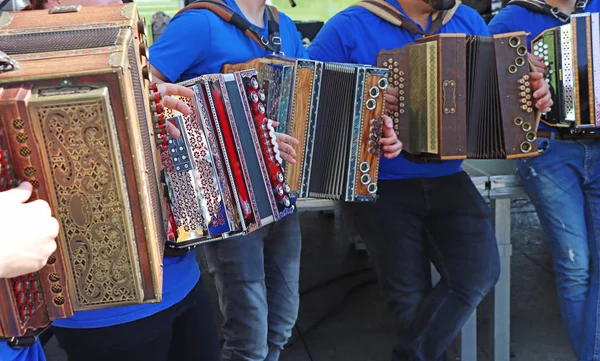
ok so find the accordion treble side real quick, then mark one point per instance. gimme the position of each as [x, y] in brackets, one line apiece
[78, 123]
[227, 178]
[572, 56]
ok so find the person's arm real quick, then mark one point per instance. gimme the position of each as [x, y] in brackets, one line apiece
[27, 232]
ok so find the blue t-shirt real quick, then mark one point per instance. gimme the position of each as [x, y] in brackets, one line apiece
[175, 54]
[517, 18]
[34, 352]
[356, 35]
[180, 275]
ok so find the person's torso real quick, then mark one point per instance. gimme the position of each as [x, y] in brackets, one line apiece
[229, 45]
[513, 18]
[365, 35]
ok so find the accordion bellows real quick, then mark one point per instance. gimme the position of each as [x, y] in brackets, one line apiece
[463, 97]
[572, 56]
[78, 123]
[335, 111]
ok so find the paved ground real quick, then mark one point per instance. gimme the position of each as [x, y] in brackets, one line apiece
[343, 317]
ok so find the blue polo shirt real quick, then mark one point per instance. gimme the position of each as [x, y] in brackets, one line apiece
[198, 42]
[517, 18]
[356, 35]
[31, 353]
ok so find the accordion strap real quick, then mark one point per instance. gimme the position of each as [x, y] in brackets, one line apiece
[389, 13]
[542, 7]
[225, 12]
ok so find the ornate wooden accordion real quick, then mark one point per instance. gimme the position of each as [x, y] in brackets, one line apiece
[224, 174]
[77, 121]
[334, 110]
[463, 97]
[572, 55]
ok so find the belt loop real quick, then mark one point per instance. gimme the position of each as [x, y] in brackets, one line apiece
[552, 135]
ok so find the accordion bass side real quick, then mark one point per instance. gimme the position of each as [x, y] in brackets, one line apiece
[463, 97]
[334, 110]
[78, 123]
[224, 173]
[572, 56]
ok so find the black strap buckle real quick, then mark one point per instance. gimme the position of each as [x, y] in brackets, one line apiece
[276, 40]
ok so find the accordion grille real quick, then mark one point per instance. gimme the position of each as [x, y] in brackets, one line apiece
[59, 41]
[138, 91]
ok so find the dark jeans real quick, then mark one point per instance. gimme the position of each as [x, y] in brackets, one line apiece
[443, 220]
[185, 331]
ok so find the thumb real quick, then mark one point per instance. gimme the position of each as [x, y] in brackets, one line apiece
[17, 195]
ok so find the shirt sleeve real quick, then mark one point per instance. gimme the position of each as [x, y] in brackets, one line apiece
[172, 54]
[501, 23]
[299, 49]
[334, 43]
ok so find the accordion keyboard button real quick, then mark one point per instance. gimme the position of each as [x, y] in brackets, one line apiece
[21, 299]
[19, 286]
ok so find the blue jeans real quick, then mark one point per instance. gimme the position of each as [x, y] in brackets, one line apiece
[414, 222]
[563, 184]
[257, 277]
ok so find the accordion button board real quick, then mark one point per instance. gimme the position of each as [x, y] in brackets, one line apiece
[572, 56]
[235, 181]
[81, 123]
[463, 97]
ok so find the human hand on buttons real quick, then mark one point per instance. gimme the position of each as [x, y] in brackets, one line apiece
[541, 92]
[284, 143]
[169, 91]
[391, 100]
[538, 63]
[392, 146]
[27, 232]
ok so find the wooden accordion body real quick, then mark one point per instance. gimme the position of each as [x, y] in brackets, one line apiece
[77, 122]
[225, 173]
[572, 56]
[335, 111]
[463, 97]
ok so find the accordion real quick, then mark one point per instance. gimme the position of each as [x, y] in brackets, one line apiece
[78, 122]
[224, 174]
[572, 56]
[463, 97]
[335, 111]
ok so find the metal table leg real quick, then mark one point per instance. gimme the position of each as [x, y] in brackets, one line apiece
[500, 296]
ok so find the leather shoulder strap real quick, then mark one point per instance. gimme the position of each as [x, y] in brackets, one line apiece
[543, 8]
[225, 12]
[389, 13]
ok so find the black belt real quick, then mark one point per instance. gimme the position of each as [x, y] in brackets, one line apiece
[543, 133]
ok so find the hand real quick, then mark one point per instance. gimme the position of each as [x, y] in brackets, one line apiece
[168, 101]
[27, 233]
[391, 145]
[541, 92]
[538, 63]
[391, 100]
[284, 142]
[172, 129]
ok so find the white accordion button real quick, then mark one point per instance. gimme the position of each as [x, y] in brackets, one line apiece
[261, 94]
[254, 97]
[254, 83]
